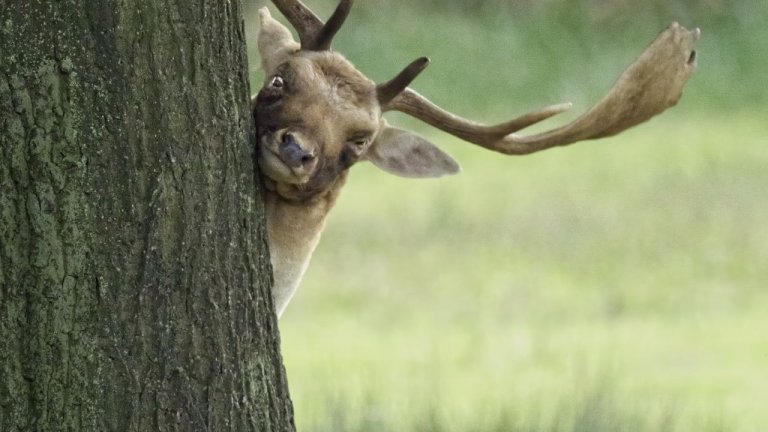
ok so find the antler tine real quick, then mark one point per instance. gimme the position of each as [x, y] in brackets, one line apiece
[412, 103]
[389, 90]
[323, 39]
[653, 83]
[306, 23]
[313, 34]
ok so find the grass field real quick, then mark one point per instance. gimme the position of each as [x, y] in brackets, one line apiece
[619, 285]
[621, 282]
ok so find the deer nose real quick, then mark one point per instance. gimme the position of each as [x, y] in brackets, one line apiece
[293, 154]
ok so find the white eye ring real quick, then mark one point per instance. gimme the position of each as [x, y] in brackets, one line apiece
[277, 82]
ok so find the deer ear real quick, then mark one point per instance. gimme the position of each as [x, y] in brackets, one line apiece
[275, 42]
[406, 154]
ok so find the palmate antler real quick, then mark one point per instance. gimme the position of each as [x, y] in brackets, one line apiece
[653, 83]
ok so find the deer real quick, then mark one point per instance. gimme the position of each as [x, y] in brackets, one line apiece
[316, 116]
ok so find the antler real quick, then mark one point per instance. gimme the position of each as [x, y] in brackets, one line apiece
[313, 34]
[653, 83]
[391, 89]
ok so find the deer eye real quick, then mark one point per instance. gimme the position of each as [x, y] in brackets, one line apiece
[357, 145]
[277, 82]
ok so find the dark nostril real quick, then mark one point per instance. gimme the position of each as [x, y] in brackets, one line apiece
[289, 139]
[292, 153]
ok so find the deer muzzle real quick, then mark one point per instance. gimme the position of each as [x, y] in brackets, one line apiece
[293, 154]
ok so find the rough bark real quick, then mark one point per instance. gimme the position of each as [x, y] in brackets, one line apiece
[134, 278]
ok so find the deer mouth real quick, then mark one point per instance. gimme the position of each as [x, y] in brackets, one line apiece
[277, 166]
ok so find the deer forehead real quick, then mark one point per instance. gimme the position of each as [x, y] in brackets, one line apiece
[329, 90]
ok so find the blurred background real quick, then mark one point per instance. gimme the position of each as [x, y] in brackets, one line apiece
[615, 285]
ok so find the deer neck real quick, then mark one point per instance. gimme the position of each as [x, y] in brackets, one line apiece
[294, 225]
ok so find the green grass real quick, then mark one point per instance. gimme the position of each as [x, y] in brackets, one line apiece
[619, 285]
[630, 273]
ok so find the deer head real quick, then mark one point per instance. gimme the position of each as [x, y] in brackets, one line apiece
[317, 115]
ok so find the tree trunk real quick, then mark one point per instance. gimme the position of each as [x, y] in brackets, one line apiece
[134, 275]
